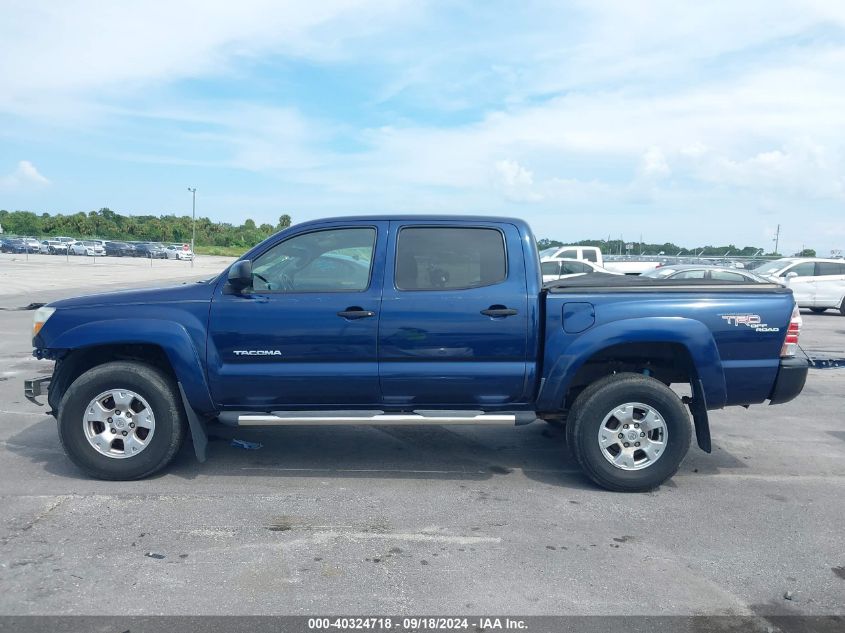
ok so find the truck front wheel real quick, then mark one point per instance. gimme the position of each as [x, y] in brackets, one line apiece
[121, 421]
[628, 432]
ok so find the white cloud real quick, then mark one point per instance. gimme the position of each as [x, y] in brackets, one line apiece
[517, 181]
[653, 163]
[113, 50]
[24, 175]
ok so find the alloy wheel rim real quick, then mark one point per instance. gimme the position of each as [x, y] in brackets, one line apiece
[633, 436]
[119, 423]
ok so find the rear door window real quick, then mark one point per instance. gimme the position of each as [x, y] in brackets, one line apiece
[689, 274]
[434, 258]
[590, 256]
[829, 268]
[724, 275]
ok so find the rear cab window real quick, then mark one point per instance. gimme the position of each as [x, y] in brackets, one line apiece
[449, 258]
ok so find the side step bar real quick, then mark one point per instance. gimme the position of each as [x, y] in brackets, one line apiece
[374, 418]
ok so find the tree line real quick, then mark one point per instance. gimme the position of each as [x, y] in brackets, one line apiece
[108, 224]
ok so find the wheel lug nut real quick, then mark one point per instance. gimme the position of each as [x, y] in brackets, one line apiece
[124, 433]
[626, 445]
[131, 425]
[110, 420]
[642, 434]
[128, 414]
[117, 412]
[636, 426]
[112, 430]
[624, 426]
[620, 436]
[636, 443]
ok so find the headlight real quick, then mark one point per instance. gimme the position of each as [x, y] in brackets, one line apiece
[40, 318]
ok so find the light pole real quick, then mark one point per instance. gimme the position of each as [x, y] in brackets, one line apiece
[193, 191]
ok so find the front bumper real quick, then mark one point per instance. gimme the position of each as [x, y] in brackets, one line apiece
[36, 387]
[792, 374]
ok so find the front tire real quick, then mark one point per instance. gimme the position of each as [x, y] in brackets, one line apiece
[628, 405]
[817, 310]
[121, 421]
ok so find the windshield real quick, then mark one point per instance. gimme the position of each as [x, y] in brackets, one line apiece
[772, 267]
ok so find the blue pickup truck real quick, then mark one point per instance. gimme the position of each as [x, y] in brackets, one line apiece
[408, 320]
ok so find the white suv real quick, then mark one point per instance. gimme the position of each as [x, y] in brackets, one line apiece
[818, 284]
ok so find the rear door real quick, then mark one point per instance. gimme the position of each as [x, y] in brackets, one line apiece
[305, 333]
[454, 318]
[830, 284]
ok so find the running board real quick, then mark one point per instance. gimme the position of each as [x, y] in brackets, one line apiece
[374, 418]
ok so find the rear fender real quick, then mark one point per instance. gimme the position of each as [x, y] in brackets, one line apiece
[565, 358]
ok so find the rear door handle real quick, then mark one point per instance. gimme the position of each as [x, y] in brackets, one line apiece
[354, 312]
[499, 311]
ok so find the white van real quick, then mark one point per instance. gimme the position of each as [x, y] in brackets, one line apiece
[818, 284]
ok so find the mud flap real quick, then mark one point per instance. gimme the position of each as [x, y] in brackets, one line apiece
[698, 407]
[198, 434]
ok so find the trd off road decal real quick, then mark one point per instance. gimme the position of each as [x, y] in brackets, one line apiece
[749, 320]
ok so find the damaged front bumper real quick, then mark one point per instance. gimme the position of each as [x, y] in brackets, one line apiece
[35, 387]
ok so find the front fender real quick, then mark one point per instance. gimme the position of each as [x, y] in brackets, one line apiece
[170, 336]
[565, 356]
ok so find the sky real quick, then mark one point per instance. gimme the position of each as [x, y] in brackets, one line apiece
[709, 122]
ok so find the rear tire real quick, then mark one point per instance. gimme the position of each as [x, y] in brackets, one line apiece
[817, 310]
[592, 416]
[842, 308]
[155, 399]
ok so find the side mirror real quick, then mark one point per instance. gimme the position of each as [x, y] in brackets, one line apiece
[240, 275]
[791, 275]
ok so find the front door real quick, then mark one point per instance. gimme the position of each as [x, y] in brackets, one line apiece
[305, 333]
[454, 320]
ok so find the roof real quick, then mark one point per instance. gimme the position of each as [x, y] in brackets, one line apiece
[417, 217]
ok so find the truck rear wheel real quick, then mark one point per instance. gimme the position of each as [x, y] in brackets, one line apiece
[628, 432]
[817, 310]
[121, 421]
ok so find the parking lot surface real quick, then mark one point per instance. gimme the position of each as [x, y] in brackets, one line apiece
[446, 520]
[33, 273]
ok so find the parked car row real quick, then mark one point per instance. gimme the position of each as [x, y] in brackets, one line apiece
[817, 284]
[96, 248]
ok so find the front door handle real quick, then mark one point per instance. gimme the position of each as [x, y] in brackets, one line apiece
[499, 311]
[355, 312]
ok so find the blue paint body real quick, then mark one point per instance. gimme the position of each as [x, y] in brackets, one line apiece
[422, 349]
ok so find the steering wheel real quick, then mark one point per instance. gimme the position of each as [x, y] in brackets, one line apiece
[262, 278]
[287, 282]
